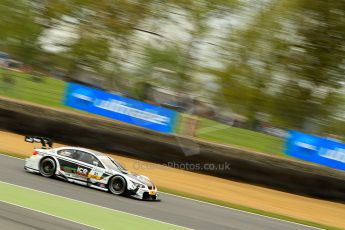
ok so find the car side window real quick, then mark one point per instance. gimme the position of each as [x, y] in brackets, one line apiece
[90, 159]
[70, 153]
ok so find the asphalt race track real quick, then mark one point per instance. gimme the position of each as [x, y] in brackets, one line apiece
[13, 217]
[172, 209]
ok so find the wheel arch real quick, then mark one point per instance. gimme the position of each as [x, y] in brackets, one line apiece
[119, 175]
[54, 159]
[45, 157]
[111, 177]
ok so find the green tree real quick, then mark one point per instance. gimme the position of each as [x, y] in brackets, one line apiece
[290, 58]
[19, 29]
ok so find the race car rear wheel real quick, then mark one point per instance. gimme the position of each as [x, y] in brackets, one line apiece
[117, 185]
[47, 167]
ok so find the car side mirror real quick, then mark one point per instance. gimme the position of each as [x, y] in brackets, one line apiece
[95, 163]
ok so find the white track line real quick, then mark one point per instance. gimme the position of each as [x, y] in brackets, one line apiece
[48, 214]
[217, 205]
[95, 205]
[9, 156]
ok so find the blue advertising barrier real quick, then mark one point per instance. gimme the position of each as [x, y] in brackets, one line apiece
[120, 108]
[316, 149]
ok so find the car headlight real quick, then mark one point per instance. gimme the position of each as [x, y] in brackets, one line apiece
[138, 185]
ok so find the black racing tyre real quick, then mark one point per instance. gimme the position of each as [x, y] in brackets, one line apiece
[47, 167]
[117, 185]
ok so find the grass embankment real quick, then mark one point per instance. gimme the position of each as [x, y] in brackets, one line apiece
[50, 92]
[37, 89]
[225, 134]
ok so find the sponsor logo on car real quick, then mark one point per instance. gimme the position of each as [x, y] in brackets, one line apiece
[95, 176]
[82, 171]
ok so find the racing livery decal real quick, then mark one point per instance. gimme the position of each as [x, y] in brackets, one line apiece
[81, 171]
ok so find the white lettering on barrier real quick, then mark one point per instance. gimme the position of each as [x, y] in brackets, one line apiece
[82, 97]
[336, 154]
[122, 108]
[305, 145]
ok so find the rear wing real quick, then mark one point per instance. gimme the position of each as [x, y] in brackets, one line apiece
[43, 140]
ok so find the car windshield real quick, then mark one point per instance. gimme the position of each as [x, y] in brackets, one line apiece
[112, 164]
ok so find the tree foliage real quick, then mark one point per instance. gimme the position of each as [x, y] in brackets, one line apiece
[291, 59]
[287, 60]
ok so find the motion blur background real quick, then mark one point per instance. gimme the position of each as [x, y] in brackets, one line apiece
[242, 73]
[265, 66]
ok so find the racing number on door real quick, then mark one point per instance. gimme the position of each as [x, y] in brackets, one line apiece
[96, 174]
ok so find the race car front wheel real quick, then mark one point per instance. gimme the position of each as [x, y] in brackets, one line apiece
[47, 167]
[117, 185]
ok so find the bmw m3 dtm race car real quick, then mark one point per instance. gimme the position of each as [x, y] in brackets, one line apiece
[87, 167]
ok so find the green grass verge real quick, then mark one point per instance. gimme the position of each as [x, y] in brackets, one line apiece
[225, 134]
[42, 90]
[226, 204]
[77, 211]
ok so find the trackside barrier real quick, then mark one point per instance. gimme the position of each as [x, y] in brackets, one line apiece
[316, 149]
[81, 130]
[120, 108]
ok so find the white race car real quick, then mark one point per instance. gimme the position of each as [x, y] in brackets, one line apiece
[89, 168]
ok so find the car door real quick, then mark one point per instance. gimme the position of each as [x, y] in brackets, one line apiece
[95, 169]
[69, 160]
